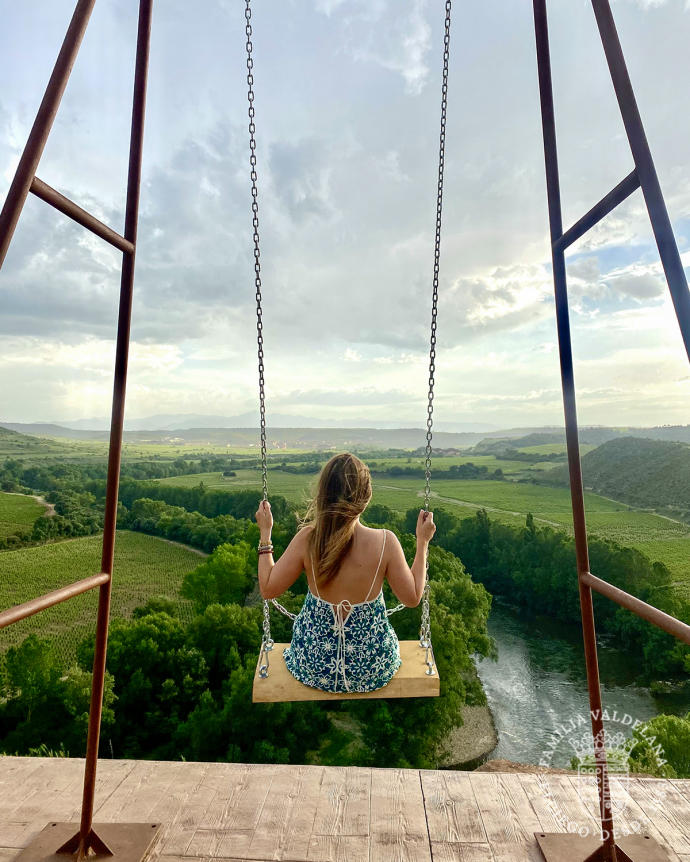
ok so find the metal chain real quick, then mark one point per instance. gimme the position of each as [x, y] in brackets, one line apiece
[266, 639]
[425, 627]
[267, 643]
[257, 260]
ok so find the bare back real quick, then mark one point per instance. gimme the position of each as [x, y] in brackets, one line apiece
[355, 579]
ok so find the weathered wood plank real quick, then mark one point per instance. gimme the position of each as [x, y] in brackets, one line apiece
[178, 837]
[159, 785]
[506, 812]
[285, 829]
[452, 812]
[629, 816]
[16, 768]
[33, 799]
[682, 785]
[221, 843]
[172, 858]
[171, 807]
[110, 774]
[538, 791]
[344, 802]
[517, 853]
[667, 808]
[52, 802]
[456, 851]
[398, 822]
[339, 848]
[13, 833]
[232, 812]
[241, 790]
[226, 825]
[571, 805]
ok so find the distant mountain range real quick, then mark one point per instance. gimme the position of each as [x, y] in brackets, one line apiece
[183, 421]
[323, 438]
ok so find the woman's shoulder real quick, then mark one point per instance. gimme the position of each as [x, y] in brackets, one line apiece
[304, 532]
[378, 535]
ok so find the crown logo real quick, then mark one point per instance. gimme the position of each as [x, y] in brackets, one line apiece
[617, 746]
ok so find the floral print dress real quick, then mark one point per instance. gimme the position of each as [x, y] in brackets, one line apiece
[346, 646]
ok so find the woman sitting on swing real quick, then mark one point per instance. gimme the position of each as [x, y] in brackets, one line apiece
[342, 640]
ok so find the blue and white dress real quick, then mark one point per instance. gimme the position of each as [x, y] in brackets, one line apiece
[346, 646]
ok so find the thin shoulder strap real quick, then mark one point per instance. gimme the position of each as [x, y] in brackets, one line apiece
[379, 565]
[313, 574]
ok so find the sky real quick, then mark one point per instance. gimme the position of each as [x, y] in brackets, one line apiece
[347, 103]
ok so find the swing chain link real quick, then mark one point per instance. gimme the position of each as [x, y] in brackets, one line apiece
[266, 639]
[267, 642]
[425, 627]
[257, 260]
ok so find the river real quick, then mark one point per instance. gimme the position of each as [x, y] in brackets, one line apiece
[537, 690]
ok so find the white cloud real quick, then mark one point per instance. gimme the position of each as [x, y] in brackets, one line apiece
[347, 125]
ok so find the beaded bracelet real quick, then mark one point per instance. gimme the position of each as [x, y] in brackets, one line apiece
[266, 551]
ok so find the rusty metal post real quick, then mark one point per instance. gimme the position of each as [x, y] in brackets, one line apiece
[85, 833]
[568, 385]
[646, 171]
[26, 169]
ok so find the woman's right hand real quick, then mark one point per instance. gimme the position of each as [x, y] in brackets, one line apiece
[425, 526]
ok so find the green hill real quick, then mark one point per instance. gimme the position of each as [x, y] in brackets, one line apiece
[645, 473]
[13, 444]
[18, 513]
[145, 566]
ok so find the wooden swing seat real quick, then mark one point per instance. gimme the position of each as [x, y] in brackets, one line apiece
[411, 680]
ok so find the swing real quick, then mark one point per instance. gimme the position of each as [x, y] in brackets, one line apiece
[417, 675]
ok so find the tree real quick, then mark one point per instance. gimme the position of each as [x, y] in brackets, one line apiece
[664, 737]
[31, 673]
[223, 578]
[43, 707]
[223, 634]
[75, 693]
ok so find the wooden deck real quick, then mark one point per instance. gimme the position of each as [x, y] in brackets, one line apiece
[322, 814]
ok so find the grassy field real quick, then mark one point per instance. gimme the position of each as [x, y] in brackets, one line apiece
[674, 550]
[26, 448]
[145, 566]
[553, 448]
[17, 512]
[661, 538]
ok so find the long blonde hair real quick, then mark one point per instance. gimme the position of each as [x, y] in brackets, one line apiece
[343, 493]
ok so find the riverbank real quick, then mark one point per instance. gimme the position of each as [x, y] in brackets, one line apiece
[538, 686]
[472, 741]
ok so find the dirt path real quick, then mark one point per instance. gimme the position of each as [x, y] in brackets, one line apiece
[179, 545]
[99, 536]
[467, 503]
[49, 507]
[648, 511]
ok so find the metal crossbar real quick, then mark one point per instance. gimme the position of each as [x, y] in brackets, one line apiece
[69, 208]
[574, 848]
[606, 205]
[47, 600]
[126, 840]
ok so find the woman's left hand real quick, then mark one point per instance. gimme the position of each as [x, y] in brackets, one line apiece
[264, 517]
